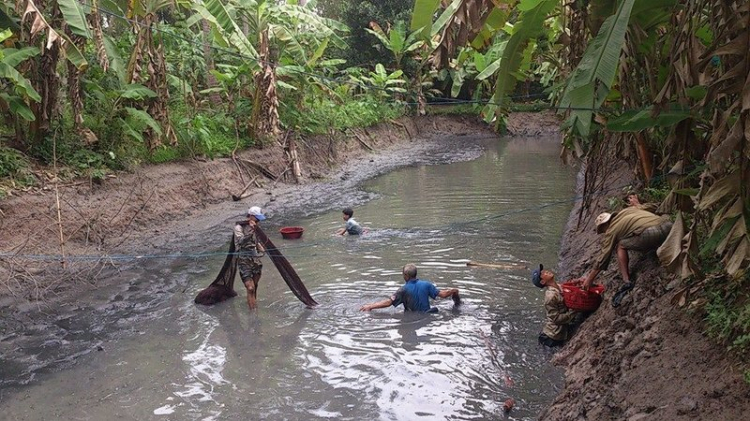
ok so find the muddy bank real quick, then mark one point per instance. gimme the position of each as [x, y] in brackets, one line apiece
[647, 359]
[157, 208]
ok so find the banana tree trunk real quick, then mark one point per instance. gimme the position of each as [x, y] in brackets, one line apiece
[75, 95]
[45, 79]
[265, 119]
[145, 50]
[644, 157]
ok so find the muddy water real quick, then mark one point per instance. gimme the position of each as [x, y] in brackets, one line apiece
[143, 350]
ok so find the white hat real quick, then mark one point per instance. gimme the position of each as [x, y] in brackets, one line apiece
[255, 211]
[602, 219]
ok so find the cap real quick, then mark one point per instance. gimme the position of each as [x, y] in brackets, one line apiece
[255, 211]
[602, 219]
[536, 276]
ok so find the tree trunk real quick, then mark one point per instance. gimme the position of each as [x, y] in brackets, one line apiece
[644, 156]
[45, 81]
[265, 120]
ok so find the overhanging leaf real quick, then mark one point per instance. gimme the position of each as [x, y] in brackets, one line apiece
[445, 17]
[22, 85]
[137, 92]
[115, 60]
[421, 17]
[530, 24]
[15, 57]
[18, 107]
[637, 120]
[602, 56]
[75, 18]
[144, 118]
[215, 12]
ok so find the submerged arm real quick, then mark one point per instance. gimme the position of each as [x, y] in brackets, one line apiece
[380, 304]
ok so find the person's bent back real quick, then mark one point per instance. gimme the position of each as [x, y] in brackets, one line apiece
[415, 294]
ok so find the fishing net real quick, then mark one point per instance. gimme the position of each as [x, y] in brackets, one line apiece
[222, 288]
[286, 270]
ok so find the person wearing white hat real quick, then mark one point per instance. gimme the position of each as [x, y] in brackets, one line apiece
[629, 229]
[249, 252]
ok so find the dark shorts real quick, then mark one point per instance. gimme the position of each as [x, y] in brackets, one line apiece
[547, 341]
[650, 239]
[249, 268]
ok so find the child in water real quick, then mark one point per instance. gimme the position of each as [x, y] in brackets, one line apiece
[351, 227]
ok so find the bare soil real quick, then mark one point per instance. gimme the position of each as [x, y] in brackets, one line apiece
[646, 359]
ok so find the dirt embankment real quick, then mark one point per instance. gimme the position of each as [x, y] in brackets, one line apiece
[644, 360]
[155, 208]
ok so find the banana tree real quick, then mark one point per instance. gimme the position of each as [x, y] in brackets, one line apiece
[278, 34]
[17, 90]
[40, 24]
[148, 53]
[396, 40]
[386, 84]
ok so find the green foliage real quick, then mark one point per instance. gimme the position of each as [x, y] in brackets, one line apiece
[529, 25]
[727, 314]
[203, 135]
[591, 81]
[318, 115]
[357, 15]
[12, 162]
[382, 83]
[397, 41]
[637, 120]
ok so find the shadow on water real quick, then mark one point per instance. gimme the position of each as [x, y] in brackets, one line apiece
[165, 358]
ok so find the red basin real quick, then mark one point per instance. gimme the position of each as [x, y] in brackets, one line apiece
[291, 233]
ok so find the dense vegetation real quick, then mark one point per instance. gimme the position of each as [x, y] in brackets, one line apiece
[104, 84]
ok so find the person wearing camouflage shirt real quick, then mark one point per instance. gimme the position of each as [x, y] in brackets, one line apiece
[249, 253]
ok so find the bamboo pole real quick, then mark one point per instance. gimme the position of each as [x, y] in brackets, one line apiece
[57, 202]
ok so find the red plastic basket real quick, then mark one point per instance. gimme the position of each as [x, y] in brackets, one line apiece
[291, 233]
[577, 299]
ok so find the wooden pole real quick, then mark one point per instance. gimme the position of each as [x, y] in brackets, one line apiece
[57, 201]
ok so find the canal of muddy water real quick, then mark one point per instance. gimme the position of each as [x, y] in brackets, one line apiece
[156, 355]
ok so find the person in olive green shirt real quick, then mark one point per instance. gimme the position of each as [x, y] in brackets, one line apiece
[632, 228]
[558, 326]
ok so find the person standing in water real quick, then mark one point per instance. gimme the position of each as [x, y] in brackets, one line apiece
[351, 227]
[560, 320]
[249, 252]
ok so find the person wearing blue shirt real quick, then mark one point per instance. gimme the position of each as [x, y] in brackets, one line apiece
[415, 294]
